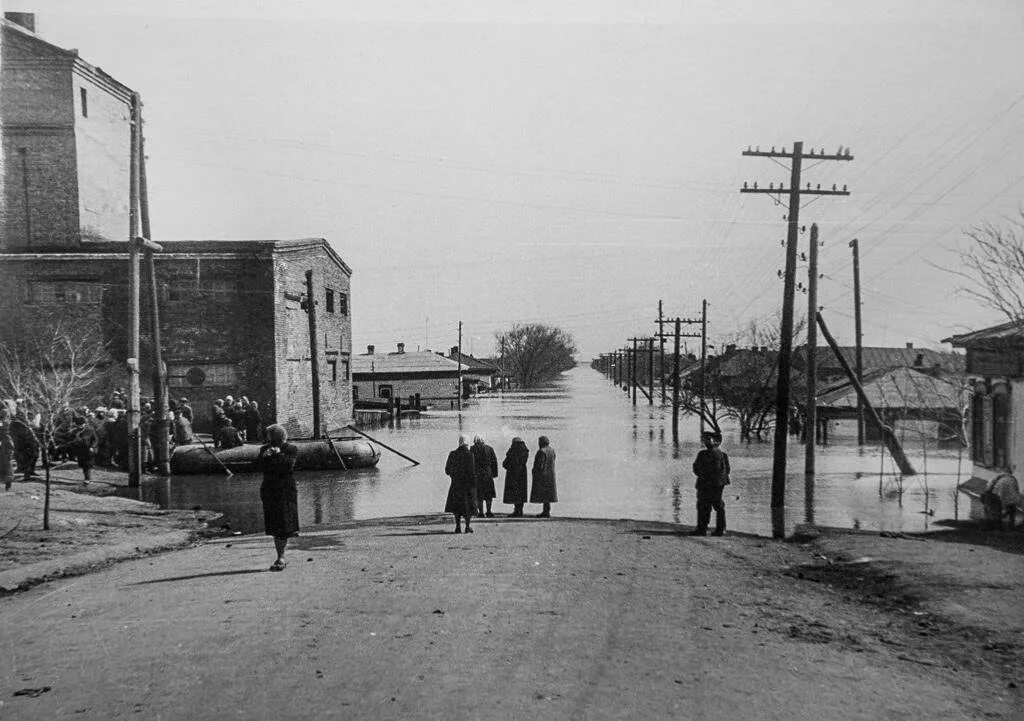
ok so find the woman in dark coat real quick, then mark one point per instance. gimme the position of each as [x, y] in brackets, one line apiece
[486, 466]
[544, 489]
[515, 475]
[462, 491]
[278, 492]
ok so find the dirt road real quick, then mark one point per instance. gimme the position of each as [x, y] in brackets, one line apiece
[552, 619]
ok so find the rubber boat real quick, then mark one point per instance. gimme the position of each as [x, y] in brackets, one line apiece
[315, 454]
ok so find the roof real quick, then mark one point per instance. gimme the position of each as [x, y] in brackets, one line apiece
[473, 364]
[1005, 335]
[745, 360]
[413, 362]
[884, 357]
[903, 387]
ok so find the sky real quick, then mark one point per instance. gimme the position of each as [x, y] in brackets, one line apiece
[575, 162]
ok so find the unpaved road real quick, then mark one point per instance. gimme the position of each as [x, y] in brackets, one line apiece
[555, 619]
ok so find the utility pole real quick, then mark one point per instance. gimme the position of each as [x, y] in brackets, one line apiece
[314, 353]
[703, 360]
[650, 371]
[459, 361]
[778, 502]
[858, 338]
[811, 428]
[632, 368]
[135, 459]
[675, 387]
[661, 350]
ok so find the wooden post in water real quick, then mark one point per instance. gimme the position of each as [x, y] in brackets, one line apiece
[314, 352]
[811, 424]
[675, 387]
[650, 371]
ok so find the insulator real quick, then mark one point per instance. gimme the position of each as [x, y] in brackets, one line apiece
[808, 186]
[755, 185]
[819, 187]
[773, 148]
[771, 186]
[744, 185]
[833, 186]
[844, 187]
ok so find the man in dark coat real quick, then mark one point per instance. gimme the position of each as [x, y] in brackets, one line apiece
[712, 470]
[26, 446]
[253, 423]
[228, 436]
[515, 476]
[186, 409]
[544, 488]
[486, 466]
[462, 492]
[278, 492]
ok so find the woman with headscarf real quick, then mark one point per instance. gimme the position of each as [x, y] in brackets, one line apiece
[544, 489]
[462, 492]
[278, 492]
[485, 464]
[515, 476]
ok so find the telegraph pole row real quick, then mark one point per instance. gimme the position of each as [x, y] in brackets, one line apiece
[859, 338]
[794, 191]
[811, 426]
[675, 369]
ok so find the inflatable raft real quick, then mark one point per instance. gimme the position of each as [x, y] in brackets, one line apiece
[314, 455]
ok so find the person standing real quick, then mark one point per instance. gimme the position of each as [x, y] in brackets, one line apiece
[83, 446]
[26, 446]
[186, 409]
[278, 492]
[183, 434]
[461, 500]
[515, 476]
[712, 470]
[485, 464]
[6, 454]
[544, 488]
[253, 423]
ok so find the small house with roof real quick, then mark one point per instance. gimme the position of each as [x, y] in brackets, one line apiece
[424, 375]
[480, 375]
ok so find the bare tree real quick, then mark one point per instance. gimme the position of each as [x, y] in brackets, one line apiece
[535, 354]
[993, 266]
[52, 367]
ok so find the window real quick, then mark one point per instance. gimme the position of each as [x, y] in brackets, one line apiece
[978, 425]
[385, 391]
[85, 102]
[355, 393]
[343, 303]
[332, 365]
[330, 300]
[1000, 427]
[65, 292]
[205, 374]
[345, 373]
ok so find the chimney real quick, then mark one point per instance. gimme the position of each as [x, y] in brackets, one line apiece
[919, 361]
[25, 20]
[401, 347]
[454, 353]
[369, 350]
[730, 348]
[910, 346]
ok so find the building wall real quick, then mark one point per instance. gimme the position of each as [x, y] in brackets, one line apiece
[293, 370]
[103, 150]
[438, 392]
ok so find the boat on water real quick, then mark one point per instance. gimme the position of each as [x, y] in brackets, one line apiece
[315, 454]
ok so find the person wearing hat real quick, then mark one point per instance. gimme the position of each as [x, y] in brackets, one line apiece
[515, 476]
[185, 408]
[278, 492]
[544, 488]
[461, 501]
[712, 470]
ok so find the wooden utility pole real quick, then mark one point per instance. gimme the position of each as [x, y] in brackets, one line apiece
[459, 361]
[858, 338]
[161, 426]
[811, 427]
[650, 371]
[632, 368]
[703, 360]
[782, 396]
[135, 459]
[314, 353]
[675, 387]
[661, 350]
[891, 442]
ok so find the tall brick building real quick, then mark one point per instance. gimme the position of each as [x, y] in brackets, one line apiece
[66, 144]
[232, 316]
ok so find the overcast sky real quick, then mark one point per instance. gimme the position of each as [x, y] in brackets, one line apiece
[575, 162]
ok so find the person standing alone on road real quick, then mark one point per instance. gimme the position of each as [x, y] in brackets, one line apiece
[278, 492]
[544, 489]
[712, 470]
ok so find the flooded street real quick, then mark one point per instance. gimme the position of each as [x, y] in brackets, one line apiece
[614, 461]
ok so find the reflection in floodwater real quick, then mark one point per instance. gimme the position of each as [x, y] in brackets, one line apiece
[613, 462]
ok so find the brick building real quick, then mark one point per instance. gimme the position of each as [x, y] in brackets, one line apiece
[232, 320]
[378, 376]
[66, 129]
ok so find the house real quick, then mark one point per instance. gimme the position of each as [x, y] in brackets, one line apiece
[877, 357]
[479, 374]
[426, 375]
[232, 319]
[917, 403]
[995, 367]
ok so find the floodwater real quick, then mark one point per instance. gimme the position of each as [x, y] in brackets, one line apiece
[614, 461]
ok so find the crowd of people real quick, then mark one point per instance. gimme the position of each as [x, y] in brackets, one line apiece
[99, 436]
